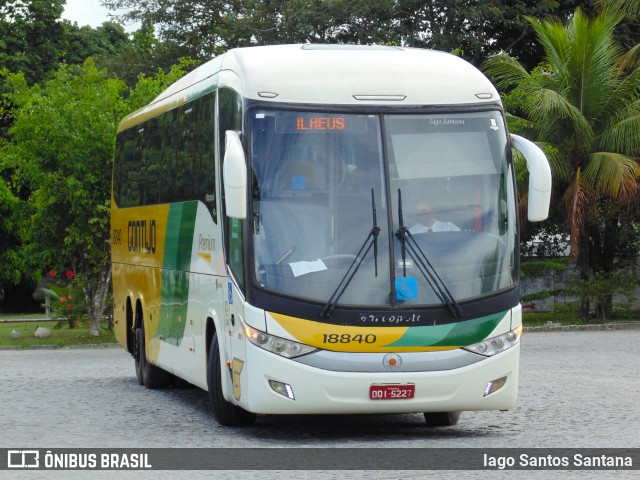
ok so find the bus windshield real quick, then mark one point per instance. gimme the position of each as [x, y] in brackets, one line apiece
[436, 188]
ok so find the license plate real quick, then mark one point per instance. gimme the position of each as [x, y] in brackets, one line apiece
[392, 391]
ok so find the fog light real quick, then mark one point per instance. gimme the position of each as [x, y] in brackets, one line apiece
[283, 389]
[494, 386]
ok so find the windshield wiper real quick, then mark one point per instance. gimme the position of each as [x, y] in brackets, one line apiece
[424, 265]
[371, 240]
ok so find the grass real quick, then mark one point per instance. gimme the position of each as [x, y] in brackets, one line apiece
[570, 317]
[60, 337]
[20, 316]
[539, 319]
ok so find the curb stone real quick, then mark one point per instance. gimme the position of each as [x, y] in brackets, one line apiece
[64, 347]
[554, 327]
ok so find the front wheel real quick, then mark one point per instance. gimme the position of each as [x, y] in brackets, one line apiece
[441, 419]
[226, 413]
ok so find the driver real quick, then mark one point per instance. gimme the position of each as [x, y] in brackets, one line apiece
[428, 222]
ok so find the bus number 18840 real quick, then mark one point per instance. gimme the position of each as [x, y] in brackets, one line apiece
[348, 338]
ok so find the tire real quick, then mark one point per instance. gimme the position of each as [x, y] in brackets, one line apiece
[226, 414]
[441, 419]
[148, 375]
[136, 355]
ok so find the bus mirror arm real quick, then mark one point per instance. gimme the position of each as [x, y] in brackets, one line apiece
[539, 178]
[234, 173]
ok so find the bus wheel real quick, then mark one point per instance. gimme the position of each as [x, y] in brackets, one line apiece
[148, 375]
[226, 413]
[441, 419]
[136, 356]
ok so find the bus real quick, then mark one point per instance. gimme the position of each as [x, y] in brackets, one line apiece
[324, 229]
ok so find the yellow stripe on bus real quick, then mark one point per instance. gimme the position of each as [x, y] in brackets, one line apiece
[342, 338]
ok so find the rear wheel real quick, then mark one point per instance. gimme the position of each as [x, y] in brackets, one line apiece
[148, 375]
[441, 419]
[226, 413]
[136, 355]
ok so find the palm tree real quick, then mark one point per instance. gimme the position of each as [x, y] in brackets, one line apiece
[583, 105]
[631, 6]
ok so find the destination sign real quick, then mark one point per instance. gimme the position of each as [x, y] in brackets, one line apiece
[321, 123]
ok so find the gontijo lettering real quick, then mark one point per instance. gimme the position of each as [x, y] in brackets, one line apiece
[141, 235]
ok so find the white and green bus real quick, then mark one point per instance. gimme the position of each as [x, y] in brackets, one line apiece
[311, 229]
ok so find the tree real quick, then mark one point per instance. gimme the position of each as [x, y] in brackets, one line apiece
[477, 29]
[473, 29]
[584, 108]
[30, 36]
[143, 54]
[80, 43]
[210, 27]
[60, 152]
[58, 156]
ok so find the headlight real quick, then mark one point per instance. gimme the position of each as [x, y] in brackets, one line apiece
[280, 346]
[491, 346]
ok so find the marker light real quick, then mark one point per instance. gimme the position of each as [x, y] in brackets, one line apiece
[283, 389]
[494, 385]
[494, 345]
[277, 345]
[380, 98]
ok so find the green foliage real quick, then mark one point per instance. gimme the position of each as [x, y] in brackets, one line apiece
[600, 287]
[540, 268]
[13, 270]
[474, 28]
[583, 108]
[564, 314]
[58, 159]
[107, 40]
[30, 36]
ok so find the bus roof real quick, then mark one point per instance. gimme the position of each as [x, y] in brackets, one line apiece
[333, 75]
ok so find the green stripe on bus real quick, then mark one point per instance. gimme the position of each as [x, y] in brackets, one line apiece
[450, 335]
[175, 273]
[173, 307]
[179, 236]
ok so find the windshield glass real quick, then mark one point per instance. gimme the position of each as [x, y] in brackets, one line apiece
[318, 178]
[451, 184]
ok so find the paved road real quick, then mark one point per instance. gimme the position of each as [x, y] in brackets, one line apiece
[578, 389]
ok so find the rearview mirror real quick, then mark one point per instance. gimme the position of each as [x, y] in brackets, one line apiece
[234, 174]
[539, 178]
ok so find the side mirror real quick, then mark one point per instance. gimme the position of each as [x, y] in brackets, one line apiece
[234, 174]
[539, 178]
